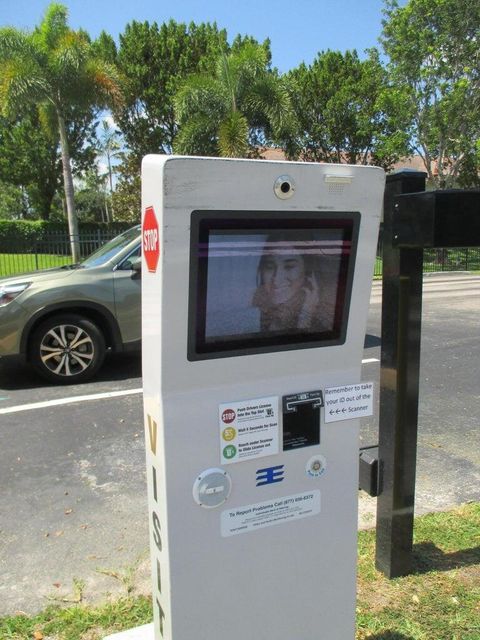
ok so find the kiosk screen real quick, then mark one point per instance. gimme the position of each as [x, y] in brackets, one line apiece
[267, 283]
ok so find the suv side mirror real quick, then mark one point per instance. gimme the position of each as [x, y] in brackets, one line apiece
[135, 263]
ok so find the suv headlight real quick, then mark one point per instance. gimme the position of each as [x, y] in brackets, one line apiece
[9, 292]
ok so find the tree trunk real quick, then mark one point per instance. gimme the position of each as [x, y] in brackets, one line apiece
[68, 187]
[111, 187]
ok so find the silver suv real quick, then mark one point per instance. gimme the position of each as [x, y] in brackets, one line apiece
[64, 320]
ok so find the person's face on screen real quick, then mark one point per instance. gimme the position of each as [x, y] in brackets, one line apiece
[283, 276]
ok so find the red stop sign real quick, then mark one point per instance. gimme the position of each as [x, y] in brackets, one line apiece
[150, 239]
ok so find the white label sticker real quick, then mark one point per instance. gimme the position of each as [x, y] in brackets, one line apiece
[349, 401]
[266, 514]
[316, 466]
[248, 429]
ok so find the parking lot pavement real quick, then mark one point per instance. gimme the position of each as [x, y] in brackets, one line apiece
[73, 508]
[448, 453]
[19, 384]
[74, 505]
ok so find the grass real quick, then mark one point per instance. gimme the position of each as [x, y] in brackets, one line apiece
[16, 263]
[439, 601]
[79, 622]
[377, 271]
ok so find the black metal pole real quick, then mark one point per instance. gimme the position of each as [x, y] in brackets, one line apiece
[399, 386]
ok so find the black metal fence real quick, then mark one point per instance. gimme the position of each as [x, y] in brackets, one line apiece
[435, 260]
[54, 251]
[451, 259]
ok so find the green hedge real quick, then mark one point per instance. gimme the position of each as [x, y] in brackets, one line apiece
[27, 231]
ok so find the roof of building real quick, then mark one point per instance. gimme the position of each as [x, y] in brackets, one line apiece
[413, 162]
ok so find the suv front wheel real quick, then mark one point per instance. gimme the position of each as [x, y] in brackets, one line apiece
[67, 349]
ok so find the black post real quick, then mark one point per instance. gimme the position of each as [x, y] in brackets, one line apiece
[399, 386]
[35, 249]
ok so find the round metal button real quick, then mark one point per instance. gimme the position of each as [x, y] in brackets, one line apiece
[212, 488]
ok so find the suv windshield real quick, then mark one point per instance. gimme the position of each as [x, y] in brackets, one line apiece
[111, 248]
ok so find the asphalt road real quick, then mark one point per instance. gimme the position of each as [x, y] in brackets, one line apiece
[73, 515]
[448, 453]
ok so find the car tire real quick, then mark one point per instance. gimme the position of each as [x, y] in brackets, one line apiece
[67, 349]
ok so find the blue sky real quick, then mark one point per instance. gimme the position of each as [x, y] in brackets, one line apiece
[298, 29]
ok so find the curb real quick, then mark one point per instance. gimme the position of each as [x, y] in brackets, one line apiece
[145, 632]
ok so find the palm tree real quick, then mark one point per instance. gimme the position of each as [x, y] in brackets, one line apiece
[54, 68]
[109, 148]
[232, 113]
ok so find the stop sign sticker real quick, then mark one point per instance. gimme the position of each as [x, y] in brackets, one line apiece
[228, 416]
[150, 239]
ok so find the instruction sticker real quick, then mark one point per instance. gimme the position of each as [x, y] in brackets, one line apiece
[268, 513]
[349, 401]
[248, 429]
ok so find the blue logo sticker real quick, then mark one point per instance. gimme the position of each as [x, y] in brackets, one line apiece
[269, 475]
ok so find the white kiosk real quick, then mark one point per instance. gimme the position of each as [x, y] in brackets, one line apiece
[256, 285]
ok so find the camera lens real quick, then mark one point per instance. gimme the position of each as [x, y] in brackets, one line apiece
[284, 187]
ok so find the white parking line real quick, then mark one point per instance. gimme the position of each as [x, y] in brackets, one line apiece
[94, 396]
[60, 401]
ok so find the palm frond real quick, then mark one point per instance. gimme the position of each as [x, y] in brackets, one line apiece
[237, 71]
[226, 77]
[201, 94]
[53, 27]
[251, 59]
[70, 54]
[270, 96]
[233, 136]
[105, 81]
[48, 120]
[20, 83]
[13, 43]
[196, 137]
